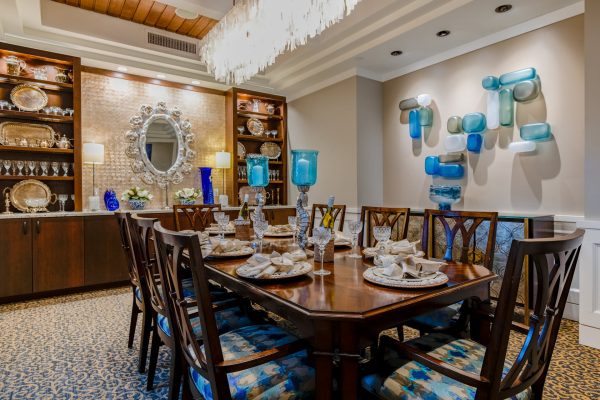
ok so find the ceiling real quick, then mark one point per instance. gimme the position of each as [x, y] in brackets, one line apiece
[148, 12]
[358, 45]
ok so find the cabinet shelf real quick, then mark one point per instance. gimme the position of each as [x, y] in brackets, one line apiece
[271, 162]
[43, 150]
[258, 115]
[259, 138]
[27, 115]
[44, 84]
[270, 181]
[39, 178]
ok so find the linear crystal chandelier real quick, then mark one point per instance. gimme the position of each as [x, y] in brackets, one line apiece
[254, 32]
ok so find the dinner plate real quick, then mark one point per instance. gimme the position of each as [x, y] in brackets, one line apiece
[374, 276]
[243, 252]
[279, 234]
[371, 252]
[303, 269]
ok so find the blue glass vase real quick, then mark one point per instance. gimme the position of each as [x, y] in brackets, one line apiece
[304, 167]
[258, 170]
[444, 195]
[414, 124]
[207, 186]
[110, 200]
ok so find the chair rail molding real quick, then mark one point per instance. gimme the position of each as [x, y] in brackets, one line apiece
[589, 285]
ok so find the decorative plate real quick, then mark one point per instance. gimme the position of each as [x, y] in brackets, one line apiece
[30, 189]
[302, 268]
[243, 252]
[255, 127]
[9, 131]
[28, 97]
[241, 151]
[270, 150]
[373, 275]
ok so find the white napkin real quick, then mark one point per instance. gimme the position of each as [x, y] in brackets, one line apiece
[204, 237]
[279, 229]
[263, 266]
[341, 239]
[401, 247]
[422, 266]
[226, 246]
[390, 268]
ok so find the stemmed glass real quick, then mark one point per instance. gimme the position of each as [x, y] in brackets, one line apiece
[62, 199]
[355, 228]
[20, 166]
[293, 223]
[65, 167]
[7, 164]
[241, 129]
[31, 166]
[382, 235]
[321, 236]
[222, 219]
[260, 227]
[44, 168]
[55, 168]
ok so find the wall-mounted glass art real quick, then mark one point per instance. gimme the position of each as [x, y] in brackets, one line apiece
[517, 76]
[474, 123]
[537, 132]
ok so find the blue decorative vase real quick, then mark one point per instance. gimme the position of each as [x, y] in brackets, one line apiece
[207, 186]
[444, 195]
[110, 200]
[186, 202]
[137, 205]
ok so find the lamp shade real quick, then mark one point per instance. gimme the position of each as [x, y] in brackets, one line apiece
[93, 153]
[223, 159]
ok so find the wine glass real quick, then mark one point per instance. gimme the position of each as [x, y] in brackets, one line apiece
[260, 227]
[382, 235]
[31, 166]
[355, 228]
[44, 168]
[20, 166]
[7, 164]
[62, 199]
[241, 129]
[65, 167]
[321, 236]
[293, 223]
[55, 168]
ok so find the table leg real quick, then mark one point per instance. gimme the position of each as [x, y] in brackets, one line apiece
[349, 356]
[323, 348]
[481, 327]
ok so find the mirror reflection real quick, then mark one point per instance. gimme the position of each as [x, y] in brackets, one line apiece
[162, 145]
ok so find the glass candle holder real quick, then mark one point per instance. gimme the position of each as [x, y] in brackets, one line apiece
[258, 170]
[304, 167]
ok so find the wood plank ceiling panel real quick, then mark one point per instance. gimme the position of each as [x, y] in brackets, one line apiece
[148, 12]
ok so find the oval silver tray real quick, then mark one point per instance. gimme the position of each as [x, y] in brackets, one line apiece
[29, 189]
[255, 127]
[28, 97]
[271, 150]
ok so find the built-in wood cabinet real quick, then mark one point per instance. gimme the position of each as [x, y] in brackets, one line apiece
[15, 257]
[105, 262]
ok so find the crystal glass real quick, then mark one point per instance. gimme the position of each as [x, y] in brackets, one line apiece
[3, 103]
[304, 167]
[382, 235]
[260, 227]
[31, 167]
[321, 236]
[241, 129]
[7, 164]
[65, 167]
[293, 223]
[258, 170]
[20, 166]
[44, 168]
[62, 199]
[68, 111]
[355, 229]
[55, 168]
[222, 219]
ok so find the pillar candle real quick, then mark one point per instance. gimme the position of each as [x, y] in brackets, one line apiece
[257, 176]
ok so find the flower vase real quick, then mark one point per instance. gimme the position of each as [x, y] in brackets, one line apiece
[186, 202]
[110, 200]
[207, 186]
[137, 205]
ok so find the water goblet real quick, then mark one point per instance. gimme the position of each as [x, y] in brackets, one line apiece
[382, 235]
[355, 229]
[260, 227]
[55, 168]
[20, 166]
[44, 168]
[31, 166]
[321, 236]
[62, 199]
[65, 167]
[3, 103]
[223, 222]
[11, 106]
[7, 164]
[293, 223]
[68, 111]
[241, 129]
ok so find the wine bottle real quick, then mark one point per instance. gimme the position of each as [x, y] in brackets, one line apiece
[327, 220]
[244, 212]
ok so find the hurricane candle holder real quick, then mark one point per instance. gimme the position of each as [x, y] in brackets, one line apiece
[304, 175]
[257, 167]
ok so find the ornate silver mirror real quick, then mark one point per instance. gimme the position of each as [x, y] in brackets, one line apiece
[158, 143]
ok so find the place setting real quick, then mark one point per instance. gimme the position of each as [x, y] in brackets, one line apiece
[275, 266]
[406, 272]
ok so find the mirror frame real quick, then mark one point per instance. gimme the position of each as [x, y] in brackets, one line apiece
[136, 145]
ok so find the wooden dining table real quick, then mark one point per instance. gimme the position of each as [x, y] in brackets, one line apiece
[339, 313]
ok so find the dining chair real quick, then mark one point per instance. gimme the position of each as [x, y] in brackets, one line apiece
[140, 302]
[256, 361]
[396, 218]
[196, 217]
[439, 366]
[339, 210]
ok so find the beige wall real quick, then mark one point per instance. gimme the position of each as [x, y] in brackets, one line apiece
[592, 106]
[550, 181]
[108, 103]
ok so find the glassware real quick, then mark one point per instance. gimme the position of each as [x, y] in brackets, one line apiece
[20, 166]
[31, 166]
[14, 65]
[68, 111]
[62, 199]
[10, 106]
[408, 104]
[256, 105]
[304, 167]
[55, 168]
[293, 223]
[490, 83]
[474, 142]
[65, 167]
[44, 168]
[260, 227]
[7, 164]
[222, 219]
[241, 129]
[321, 236]
[425, 116]
[355, 229]
[3, 103]
[382, 235]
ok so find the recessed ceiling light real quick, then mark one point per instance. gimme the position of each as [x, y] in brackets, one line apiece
[396, 53]
[503, 8]
[185, 14]
[195, 82]
[122, 69]
[443, 33]
[160, 76]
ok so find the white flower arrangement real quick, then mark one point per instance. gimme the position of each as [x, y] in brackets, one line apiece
[187, 194]
[136, 193]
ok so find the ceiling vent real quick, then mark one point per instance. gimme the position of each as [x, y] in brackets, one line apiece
[184, 46]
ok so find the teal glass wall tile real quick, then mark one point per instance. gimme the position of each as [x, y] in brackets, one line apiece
[507, 107]
[425, 116]
[432, 165]
[538, 132]
[413, 124]
[409, 104]
[526, 90]
[474, 122]
[454, 124]
[517, 76]
[451, 171]
[490, 83]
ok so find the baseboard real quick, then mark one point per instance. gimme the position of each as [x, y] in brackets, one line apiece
[589, 336]
[571, 312]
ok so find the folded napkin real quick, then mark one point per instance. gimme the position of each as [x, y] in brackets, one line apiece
[341, 239]
[265, 265]
[204, 237]
[401, 247]
[423, 266]
[279, 229]
[407, 268]
[226, 246]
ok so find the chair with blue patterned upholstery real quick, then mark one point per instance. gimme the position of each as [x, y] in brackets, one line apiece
[232, 316]
[256, 361]
[441, 367]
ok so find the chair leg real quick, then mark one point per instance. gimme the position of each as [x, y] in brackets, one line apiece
[146, 328]
[186, 389]
[400, 329]
[175, 375]
[153, 357]
[134, 314]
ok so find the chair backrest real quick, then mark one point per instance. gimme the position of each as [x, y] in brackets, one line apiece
[467, 223]
[339, 214]
[554, 261]
[396, 218]
[141, 239]
[132, 263]
[172, 248]
[196, 217]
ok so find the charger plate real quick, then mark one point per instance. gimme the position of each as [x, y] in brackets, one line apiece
[304, 268]
[243, 252]
[374, 275]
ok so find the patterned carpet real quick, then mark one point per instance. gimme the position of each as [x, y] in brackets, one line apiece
[75, 347]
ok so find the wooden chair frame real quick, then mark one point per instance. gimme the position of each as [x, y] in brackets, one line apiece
[197, 216]
[383, 216]
[339, 210]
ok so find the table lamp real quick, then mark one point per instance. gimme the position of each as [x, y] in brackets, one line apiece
[93, 153]
[304, 175]
[223, 161]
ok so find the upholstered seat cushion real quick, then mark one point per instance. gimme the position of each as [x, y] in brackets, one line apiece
[440, 318]
[409, 380]
[227, 320]
[188, 290]
[289, 377]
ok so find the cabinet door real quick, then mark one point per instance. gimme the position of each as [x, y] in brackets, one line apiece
[57, 253]
[279, 216]
[105, 261]
[15, 257]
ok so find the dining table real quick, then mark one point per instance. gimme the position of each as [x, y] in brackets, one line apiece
[341, 313]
